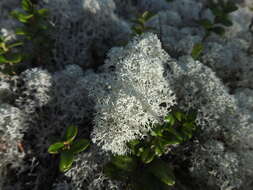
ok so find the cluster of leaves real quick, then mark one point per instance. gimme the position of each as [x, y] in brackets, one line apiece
[35, 30]
[221, 10]
[68, 148]
[9, 55]
[34, 40]
[140, 23]
[197, 51]
[144, 168]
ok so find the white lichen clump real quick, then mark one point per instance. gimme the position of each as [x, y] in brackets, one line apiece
[136, 89]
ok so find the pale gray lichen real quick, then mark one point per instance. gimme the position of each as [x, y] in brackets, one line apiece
[135, 91]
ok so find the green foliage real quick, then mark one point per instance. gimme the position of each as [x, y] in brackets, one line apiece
[35, 31]
[221, 10]
[9, 56]
[144, 168]
[68, 148]
[197, 50]
[140, 23]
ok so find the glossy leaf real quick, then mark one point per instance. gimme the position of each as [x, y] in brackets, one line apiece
[71, 133]
[26, 5]
[55, 148]
[43, 12]
[197, 50]
[147, 15]
[126, 163]
[114, 172]
[137, 30]
[173, 131]
[16, 44]
[170, 139]
[3, 59]
[21, 16]
[12, 58]
[178, 115]
[147, 155]
[157, 132]
[170, 119]
[79, 145]
[21, 31]
[66, 161]
[162, 171]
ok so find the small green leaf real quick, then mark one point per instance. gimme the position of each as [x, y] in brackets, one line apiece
[170, 119]
[173, 131]
[224, 20]
[197, 50]
[147, 155]
[230, 7]
[79, 146]
[71, 133]
[217, 11]
[43, 12]
[157, 132]
[218, 30]
[21, 31]
[134, 142]
[16, 44]
[133, 145]
[170, 139]
[21, 16]
[205, 23]
[147, 15]
[26, 5]
[162, 171]
[114, 172]
[126, 163]
[3, 59]
[55, 148]
[179, 115]
[14, 58]
[66, 161]
[137, 30]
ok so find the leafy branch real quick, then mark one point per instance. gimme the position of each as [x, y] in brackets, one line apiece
[144, 167]
[140, 23]
[35, 30]
[68, 148]
[9, 55]
[221, 10]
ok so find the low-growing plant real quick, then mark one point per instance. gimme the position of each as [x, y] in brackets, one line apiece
[145, 167]
[68, 148]
[9, 55]
[140, 23]
[197, 51]
[35, 31]
[221, 10]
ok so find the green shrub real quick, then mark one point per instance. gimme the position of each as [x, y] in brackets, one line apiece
[9, 55]
[140, 23]
[144, 168]
[34, 32]
[68, 148]
[221, 10]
